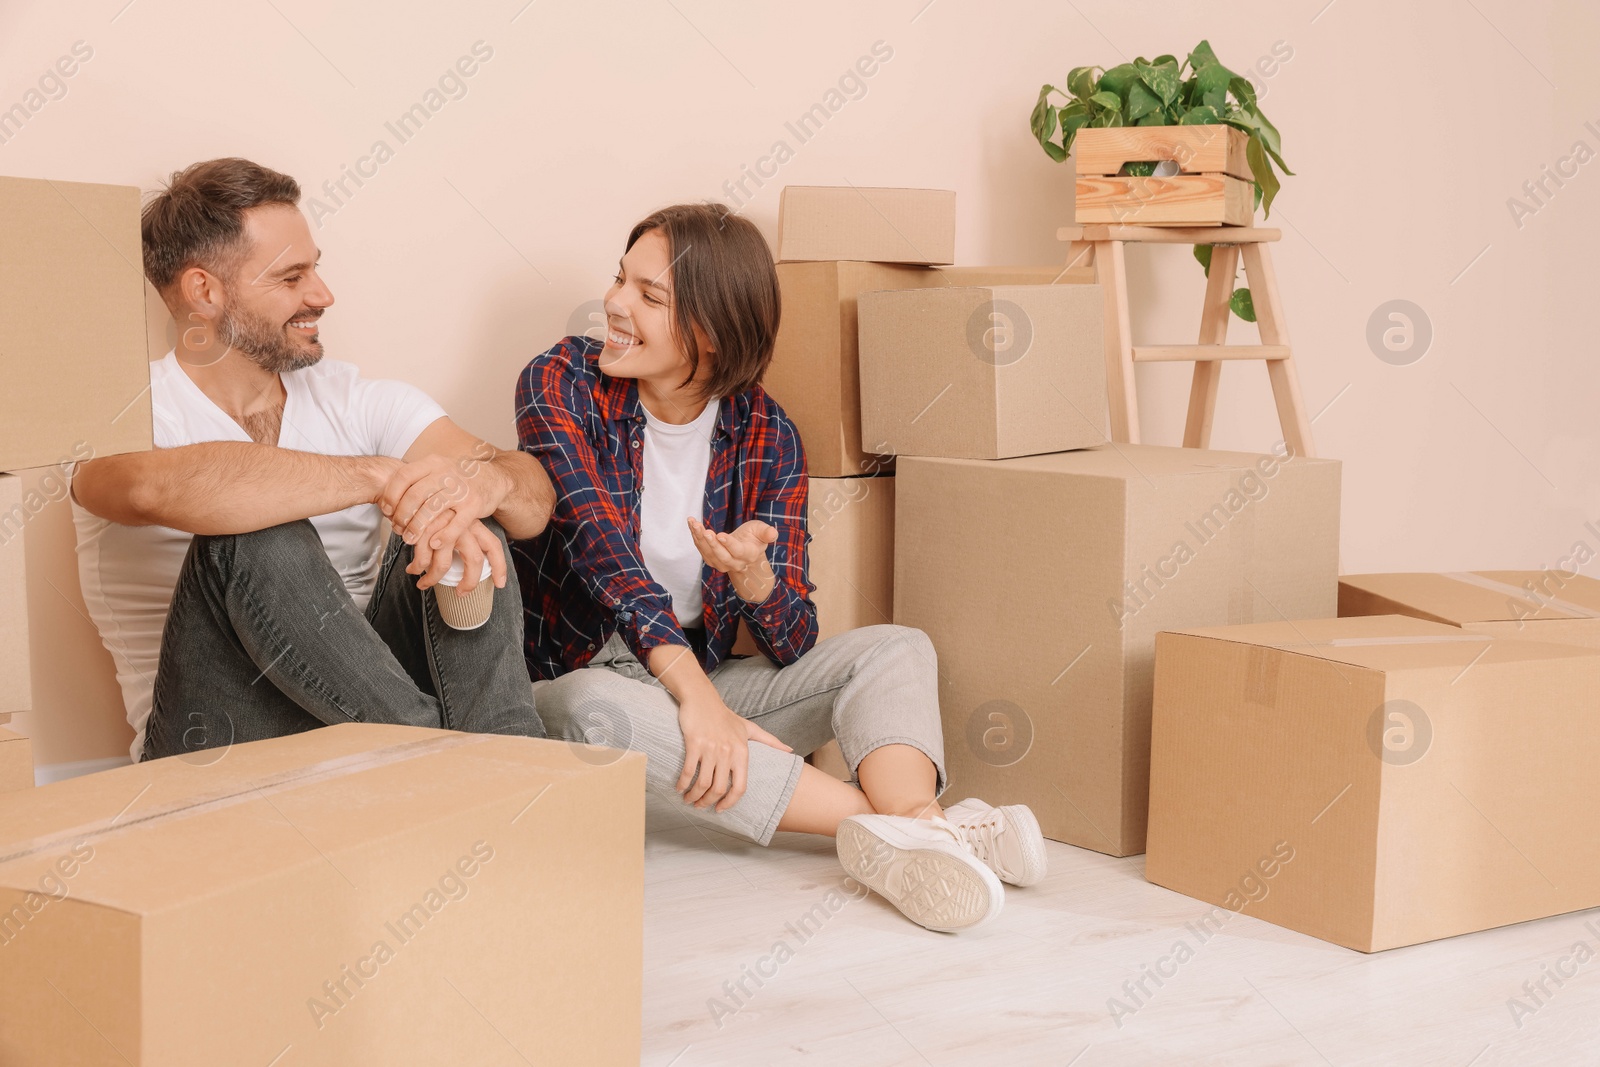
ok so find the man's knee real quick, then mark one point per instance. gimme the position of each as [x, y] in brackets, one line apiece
[288, 539]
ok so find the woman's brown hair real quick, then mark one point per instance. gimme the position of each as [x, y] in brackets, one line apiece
[722, 281]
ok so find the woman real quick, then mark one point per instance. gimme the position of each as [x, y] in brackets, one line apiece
[681, 511]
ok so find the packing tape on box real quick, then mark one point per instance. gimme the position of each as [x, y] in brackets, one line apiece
[231, 795]
[1576, 611]
[1429, 639]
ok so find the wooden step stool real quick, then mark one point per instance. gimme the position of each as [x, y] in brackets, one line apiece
[1101, 246]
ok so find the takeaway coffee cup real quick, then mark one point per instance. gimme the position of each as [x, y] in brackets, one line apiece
[464, 612]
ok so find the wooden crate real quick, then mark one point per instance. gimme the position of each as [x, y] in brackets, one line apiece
[1212, 186]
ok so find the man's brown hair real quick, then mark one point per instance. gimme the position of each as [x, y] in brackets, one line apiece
[722, 281]
[198, 219]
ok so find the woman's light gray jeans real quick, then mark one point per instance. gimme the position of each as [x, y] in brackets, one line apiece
[868, 688]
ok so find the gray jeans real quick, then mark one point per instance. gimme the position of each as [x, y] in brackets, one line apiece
[262, 640]
[870, 687]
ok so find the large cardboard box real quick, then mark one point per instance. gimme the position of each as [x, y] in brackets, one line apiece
[1043, 582]
[16, 762]
[1542, 605]
[72, 323]
[16, 690]
[983, 372]
[355, 894]
[1375, 781]
[815, 373]
[822, 222]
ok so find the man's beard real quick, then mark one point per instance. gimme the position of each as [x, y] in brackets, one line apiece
[269, 346]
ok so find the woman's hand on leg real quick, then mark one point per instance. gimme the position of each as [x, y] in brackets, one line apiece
[716, 751]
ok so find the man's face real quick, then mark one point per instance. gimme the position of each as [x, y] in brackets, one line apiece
[276, 297]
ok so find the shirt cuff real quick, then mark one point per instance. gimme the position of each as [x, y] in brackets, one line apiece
[646, 628]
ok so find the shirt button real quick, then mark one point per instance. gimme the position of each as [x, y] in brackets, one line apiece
[636, 444]
[591, 646]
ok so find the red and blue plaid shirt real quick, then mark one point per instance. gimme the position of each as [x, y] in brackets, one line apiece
[584, 578]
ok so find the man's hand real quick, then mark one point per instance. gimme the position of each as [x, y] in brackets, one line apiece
[475, 544]
[741, 555]
[717, 751]
[419, 492]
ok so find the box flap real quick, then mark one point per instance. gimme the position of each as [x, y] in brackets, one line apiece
[1465, 597]
[1389, 642]
[177, 830]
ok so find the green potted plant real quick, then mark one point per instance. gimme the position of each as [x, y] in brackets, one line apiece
[1159, 143]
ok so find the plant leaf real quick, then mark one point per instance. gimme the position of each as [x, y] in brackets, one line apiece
[1043, 120]
[1162, 79]
[1163, 61]
[1270, 141]
[1203, 254]
[1080, 82]
[1141, 102]
[1155, 118]
[1200, 116]
[1242, 305]
[1071, 122]
[1212, 79]
[1201, 55]
[1261, 169]
[1118, 78]
[1109, 101]
[1242, 91]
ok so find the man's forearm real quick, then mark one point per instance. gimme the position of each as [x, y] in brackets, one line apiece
[226, 487]
[525, 509]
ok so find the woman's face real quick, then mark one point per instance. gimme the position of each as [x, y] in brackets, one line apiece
[639, 340]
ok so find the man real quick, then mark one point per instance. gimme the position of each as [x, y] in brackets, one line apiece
[237, 573]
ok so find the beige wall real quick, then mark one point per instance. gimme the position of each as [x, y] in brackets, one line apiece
[1410, 125]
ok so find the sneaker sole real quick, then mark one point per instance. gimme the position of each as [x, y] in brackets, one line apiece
[1034, 861]
[941, 890]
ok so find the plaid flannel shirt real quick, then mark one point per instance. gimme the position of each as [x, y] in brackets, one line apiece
[585, 578]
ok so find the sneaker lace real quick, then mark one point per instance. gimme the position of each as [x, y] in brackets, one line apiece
[981, 837]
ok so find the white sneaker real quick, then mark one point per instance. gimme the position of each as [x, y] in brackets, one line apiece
[1007, 839]
[922, 867]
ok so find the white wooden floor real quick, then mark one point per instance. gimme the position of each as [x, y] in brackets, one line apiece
[866, 987]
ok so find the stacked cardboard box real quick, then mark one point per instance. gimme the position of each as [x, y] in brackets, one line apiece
[72, 320]
[835, 244]
[360, 893]
[1044, 580]
[1374, 781]
[1555, 605]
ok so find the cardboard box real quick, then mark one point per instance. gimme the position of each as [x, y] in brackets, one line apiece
[72, 323]
[1376, 781]
[821, 222]
[1540, 605]
[359, 893]
[16, 689]
[16, 762]
[983, 372]
[1043, 581]
[815, 372]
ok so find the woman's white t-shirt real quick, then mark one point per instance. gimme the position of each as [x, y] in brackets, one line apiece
[128, 573]
[677, 460]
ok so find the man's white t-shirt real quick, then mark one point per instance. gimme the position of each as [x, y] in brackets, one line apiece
[128, 573]
[677, 460]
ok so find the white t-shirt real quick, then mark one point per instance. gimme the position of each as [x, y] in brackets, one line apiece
[128, 573]
[677, 460]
